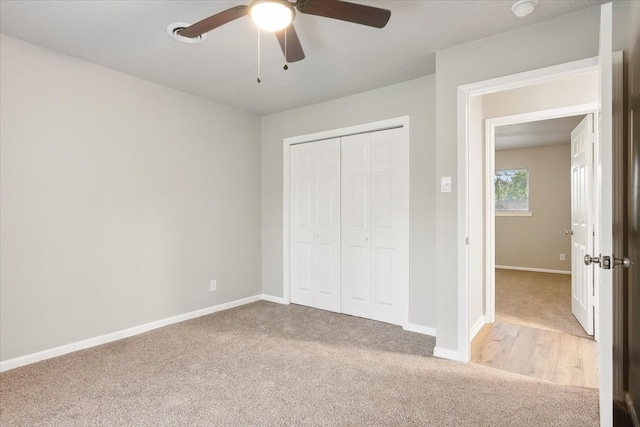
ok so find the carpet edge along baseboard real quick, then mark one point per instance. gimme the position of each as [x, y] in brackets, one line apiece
[28, 359]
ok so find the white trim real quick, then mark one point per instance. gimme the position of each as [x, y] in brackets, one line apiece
[536, 116]
[271, 298]
[507, 213]
[475, 328]
[397, 122]
[490, 220]
[118, 335]
[465, 92]
[421, 329]
[446, 353]
[286, 222]
[464, 349]
[528, 78]
[536, 270]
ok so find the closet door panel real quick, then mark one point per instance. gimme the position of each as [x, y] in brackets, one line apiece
[356, 227]
[327, 225]
[315, 224]
[389, 225]
[302, 209]
[350, 225]
[383, 260]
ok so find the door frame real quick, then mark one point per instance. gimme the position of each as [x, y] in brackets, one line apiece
[393, 123]
[470, 215]
[489, 191]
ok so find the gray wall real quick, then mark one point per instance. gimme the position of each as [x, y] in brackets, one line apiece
[120, 200]
[537, 241]
[568, 38]
[414, 98]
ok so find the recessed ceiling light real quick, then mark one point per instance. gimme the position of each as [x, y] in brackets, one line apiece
[173, 29]
[522, 8]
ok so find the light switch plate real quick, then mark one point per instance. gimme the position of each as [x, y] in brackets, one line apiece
[445, 184]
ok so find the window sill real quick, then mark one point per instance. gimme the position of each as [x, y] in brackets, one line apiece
[514, 213]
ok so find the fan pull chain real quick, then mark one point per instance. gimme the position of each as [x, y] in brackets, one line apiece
[258, 79]
[286, 67]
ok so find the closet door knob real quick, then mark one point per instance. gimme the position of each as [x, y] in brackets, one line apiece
[366, 238]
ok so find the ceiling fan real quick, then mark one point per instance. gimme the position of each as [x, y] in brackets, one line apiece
[277, 16]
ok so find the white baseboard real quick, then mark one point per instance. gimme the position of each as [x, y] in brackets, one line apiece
[475, 328]
[271, 298]
[536, 270]
[445, 353]
[421, 329]
[118, 335]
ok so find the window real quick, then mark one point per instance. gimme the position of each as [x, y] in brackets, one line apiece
[512, 191]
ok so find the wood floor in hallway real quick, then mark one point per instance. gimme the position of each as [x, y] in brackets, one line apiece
[535, 333]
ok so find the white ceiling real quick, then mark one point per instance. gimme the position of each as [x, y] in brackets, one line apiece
[341, 58]
[536, 134]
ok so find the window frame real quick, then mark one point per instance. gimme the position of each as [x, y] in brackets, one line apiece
[513, 212]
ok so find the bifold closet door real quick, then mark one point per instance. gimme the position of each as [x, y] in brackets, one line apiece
[375, 225]
[315, 224]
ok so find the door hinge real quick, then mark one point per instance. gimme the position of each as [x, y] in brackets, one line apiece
[466, 240]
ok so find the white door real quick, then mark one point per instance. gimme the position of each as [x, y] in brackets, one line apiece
[604, 206]
[356, 225]
[315, 224]
[375, 225]
[582, 298]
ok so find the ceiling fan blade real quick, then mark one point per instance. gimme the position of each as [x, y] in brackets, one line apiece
[344, 11]
[213, 21]
[292, 49]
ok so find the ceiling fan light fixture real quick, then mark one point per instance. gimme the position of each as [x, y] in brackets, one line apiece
[522, 8]
[271, 15]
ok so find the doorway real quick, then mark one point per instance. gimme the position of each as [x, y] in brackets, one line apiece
[470, 218]
[533, 202]
[553, 240]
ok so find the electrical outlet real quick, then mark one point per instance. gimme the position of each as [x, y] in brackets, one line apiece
[213, 285]
[562, 257]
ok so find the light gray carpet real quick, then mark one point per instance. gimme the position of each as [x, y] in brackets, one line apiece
[267, 365]
[537, 300]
